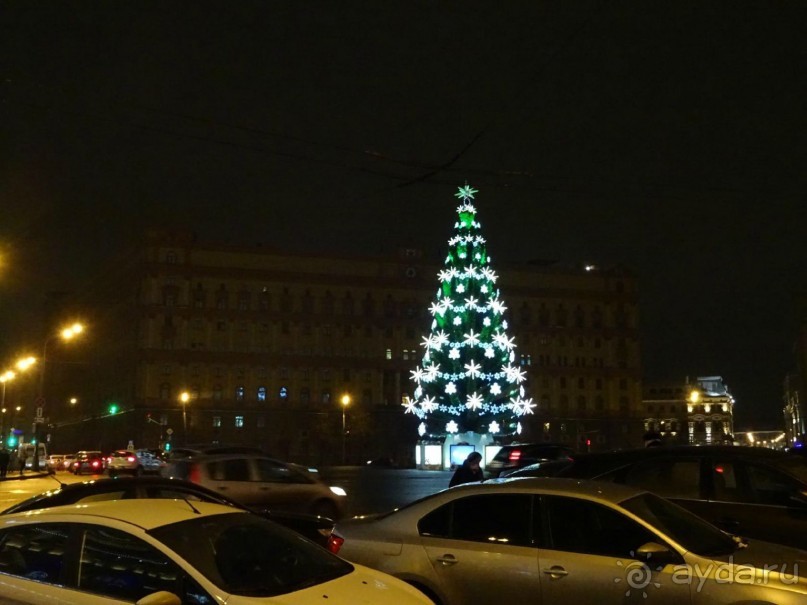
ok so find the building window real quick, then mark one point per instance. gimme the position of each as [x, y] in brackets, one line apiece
[165, 391]
[239, 422]
[283, 393]
[389, 354]
[367, 396]
[239, 393]
[305, 395]
[326, 396]
[261, 422]
[261, 393]
[217, 391]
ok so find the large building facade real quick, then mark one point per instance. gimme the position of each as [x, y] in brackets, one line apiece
[267, 344]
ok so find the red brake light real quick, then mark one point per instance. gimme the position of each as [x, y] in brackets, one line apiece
[718, 469]
[515, 455]
[130, 458]
[335, 543]
[95, 462]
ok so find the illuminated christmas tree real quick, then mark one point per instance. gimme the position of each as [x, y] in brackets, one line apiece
[468, 380]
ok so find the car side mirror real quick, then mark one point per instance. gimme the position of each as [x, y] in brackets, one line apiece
[162, 597]
[655, 554]
[799, 496]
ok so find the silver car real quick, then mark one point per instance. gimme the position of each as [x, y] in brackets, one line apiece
[552, 541]
[256, 480]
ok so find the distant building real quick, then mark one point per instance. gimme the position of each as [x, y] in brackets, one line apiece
[795, 393]
[266, 343]
[695, 413]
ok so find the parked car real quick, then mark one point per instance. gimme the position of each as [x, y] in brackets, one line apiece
[55, 462]
[175, 552]
[517, 455]
[316, 528]
[558, 541]
[67, 463]
[254, 479]
[88, 461]
[134, 462]
[751, 491]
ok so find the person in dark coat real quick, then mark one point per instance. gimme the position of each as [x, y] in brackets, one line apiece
[5, 458]
[469, 471]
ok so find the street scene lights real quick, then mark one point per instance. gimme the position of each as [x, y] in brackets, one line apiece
[184, 397]
[65, 334]
[345, 403]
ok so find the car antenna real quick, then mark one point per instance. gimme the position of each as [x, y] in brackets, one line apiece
[59, 481]
[192, 507]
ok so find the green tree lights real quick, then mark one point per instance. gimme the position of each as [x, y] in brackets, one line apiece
[468, 379]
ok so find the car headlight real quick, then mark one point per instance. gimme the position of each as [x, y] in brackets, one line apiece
[338, 491]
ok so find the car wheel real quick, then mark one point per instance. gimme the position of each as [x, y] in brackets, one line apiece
[324, 508]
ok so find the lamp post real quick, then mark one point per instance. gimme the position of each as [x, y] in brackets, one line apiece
[345, 403]
[4, 378]
[66, 334]
[184, 397]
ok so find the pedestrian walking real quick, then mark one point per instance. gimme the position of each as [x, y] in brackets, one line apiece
[5, 458]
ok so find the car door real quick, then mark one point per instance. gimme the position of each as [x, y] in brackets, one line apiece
[755, 500]
[232, 477]
[587, 556]
[279, 486]
[482, 549]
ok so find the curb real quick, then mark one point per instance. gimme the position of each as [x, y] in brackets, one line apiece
[15, 476]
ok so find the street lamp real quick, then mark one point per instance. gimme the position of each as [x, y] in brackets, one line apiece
[345, 403]
[66, 334]
[184, 397]
[4, 378]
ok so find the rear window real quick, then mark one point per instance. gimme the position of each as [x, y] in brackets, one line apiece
[250, 556]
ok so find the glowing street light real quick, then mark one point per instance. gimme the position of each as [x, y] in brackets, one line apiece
[185, 397]
[65, 334]
[345, 403]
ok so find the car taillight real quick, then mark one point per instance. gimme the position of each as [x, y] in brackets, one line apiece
[95, 462]
[130, 459]
[335, 543]
[515, 455]
[194, 475]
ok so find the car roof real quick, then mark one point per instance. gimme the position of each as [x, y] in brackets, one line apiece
[156, 514]
[597, 490]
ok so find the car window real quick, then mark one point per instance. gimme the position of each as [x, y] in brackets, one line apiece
[726, 486]
[769, 486]
[590, 528]
[116, 564]
[236, 469]
[35, 552]
[274, 472]
[247, 555]
[491, 518]
[669, 477]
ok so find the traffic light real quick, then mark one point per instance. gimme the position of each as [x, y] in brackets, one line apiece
[167, 446]
[113, 408]
[11, 441]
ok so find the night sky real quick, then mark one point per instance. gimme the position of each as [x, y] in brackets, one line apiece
[665, 136]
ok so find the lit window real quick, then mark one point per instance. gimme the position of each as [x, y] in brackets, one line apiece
[216, 421]
[284, 393]
[239, 422]
[389, 354]
[239, 393]
[261, 393]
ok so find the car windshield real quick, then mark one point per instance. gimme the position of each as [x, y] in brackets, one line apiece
[680, 525]
[250, 556]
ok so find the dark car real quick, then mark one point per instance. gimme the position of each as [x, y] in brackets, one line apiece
[517, 455]
[750, 491]
[88, 461]
[316, 528]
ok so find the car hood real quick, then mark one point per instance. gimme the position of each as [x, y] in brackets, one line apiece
[362, 587]
[758, 553]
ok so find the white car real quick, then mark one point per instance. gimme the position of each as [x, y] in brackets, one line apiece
[134, 462]
[176, 552]
[558, 541]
